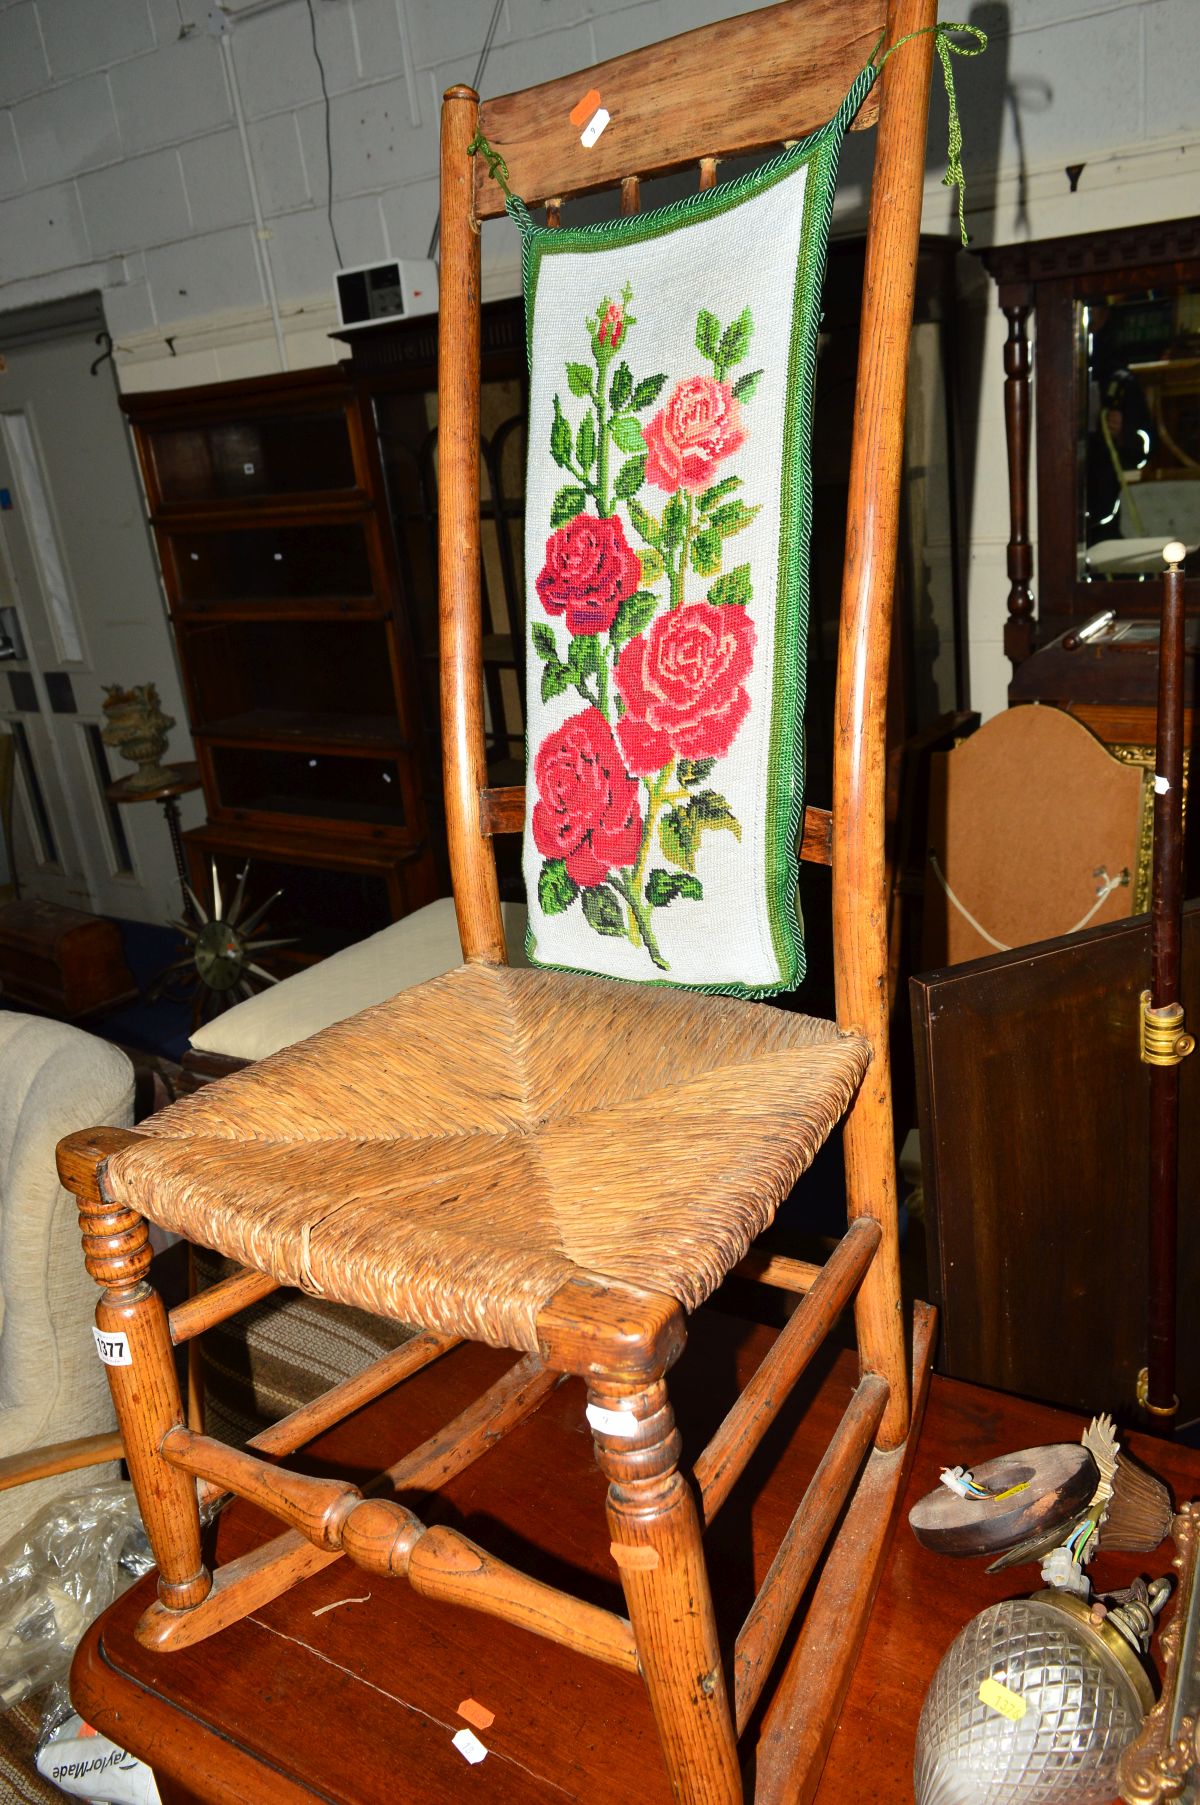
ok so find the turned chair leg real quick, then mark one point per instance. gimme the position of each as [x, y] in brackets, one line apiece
[657, 1546]
[135, 1343]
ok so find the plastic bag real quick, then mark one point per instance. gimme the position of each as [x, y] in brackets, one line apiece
[81, 1762]
[57, 1575]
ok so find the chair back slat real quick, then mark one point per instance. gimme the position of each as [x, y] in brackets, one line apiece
[502, 811]
[740, 86]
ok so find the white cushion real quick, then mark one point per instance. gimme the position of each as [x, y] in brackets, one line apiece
[53, 1080]
[421, 946]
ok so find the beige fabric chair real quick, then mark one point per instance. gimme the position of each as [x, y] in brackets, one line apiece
[423, 945]
[53, 1079]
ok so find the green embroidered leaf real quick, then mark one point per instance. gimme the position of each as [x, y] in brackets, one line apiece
[555, 679]
[674, 522]
[543, 640]
[560, 437]
[733, 517]
[652, 565]
[556, 891]
[622, 387]
[566, 504]
[585, 442]
[744, 387]
[735, 340]
[645, 523]
[583, 660]
[708, 809]
[635, 613]
[602, 910]
[663, 887]
[679, 836]
[706, 552]
[630, 477]
[679, 831]
[627, 433]
[692, 771]
[733, 588]
[708, 333]
[717, 493]
[579, 378]
[647, 390]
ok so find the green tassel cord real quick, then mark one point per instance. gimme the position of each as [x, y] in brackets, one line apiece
[946, 48]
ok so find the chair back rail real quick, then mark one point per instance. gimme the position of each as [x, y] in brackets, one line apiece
[743, 85]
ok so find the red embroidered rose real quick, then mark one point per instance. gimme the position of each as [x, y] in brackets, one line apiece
[589, 571]
[700, 425]
[587, 812]
[612, 326]
[683, 685]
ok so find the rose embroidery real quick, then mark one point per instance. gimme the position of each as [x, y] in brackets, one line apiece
[660, 639]
[700, 425]
[587, 810]
[590, 570]
[683, 685]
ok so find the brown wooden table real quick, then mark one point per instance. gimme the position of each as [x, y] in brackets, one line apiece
[357, 1705]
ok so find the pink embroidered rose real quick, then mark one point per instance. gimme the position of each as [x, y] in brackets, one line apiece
[589, 571]
[612, 326]
[587, 809]
[683, 684]
[700, 425]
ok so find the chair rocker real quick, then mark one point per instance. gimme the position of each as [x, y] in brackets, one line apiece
[420, 1159]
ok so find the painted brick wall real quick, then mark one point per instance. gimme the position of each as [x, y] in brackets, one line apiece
[122, 169]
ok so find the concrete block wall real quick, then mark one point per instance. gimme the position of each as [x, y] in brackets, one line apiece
[123, 169]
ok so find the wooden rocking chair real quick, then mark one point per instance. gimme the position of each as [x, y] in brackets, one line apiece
[420, 1159]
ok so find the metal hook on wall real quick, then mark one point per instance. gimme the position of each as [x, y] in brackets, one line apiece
[102, 338]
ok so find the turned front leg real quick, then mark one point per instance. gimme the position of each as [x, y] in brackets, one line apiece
[135, 1343]
[657, 1545]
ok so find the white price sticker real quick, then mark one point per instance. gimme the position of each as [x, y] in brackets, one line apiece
[469, 1746]
[113, 1347]
[613, 1422]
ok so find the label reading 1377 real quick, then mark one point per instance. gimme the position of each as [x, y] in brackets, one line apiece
[113, 1347]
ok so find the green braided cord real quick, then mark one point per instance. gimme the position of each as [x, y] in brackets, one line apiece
[945, 46]
[498, 170]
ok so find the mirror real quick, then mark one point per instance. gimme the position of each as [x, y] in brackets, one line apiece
[1138, 429]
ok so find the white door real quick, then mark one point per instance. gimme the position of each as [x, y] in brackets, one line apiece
[80, 607]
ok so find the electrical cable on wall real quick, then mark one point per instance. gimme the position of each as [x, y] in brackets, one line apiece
[475, 81]
[312, 25]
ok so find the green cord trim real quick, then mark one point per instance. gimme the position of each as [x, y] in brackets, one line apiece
[945, 46]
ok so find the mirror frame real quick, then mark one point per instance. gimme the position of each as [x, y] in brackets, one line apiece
[1045, 280]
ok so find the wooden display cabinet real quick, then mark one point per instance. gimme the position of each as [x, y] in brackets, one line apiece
[292, 629]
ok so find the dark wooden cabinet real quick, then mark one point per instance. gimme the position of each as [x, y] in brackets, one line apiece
[293, 633]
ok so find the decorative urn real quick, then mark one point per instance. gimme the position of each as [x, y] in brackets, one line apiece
[137, 728]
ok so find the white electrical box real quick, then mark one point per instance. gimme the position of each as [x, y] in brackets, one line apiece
[371, 294]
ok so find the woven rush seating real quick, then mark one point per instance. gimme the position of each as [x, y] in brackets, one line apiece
[454, 1156]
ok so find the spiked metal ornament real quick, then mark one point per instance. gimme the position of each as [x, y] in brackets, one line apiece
[222, 952]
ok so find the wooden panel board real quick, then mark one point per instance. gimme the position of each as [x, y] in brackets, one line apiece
[784, 71]
[1033, 1108]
